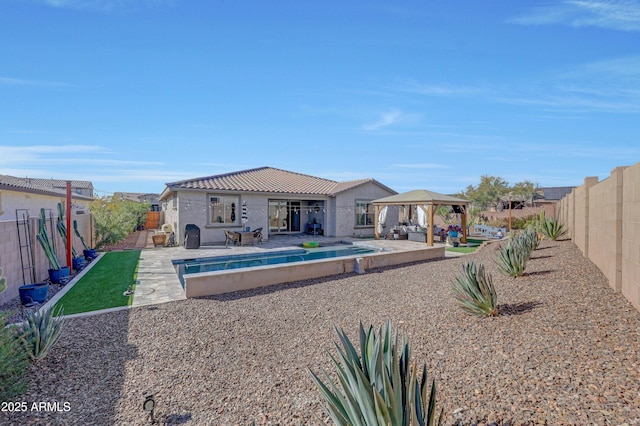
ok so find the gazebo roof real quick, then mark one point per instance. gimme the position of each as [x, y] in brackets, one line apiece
[420, 196]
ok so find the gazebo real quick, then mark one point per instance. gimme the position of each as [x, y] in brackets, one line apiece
[428, 202]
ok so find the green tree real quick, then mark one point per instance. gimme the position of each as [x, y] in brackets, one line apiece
[488, 192]
[115, 218]
[446, 214]
[523, 191]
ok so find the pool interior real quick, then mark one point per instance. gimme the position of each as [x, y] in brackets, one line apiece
[221, 263]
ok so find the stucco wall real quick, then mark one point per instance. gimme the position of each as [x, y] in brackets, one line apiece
[604, 218]
[12, 200]
[10, 259]
[336, 215]
[346, 214]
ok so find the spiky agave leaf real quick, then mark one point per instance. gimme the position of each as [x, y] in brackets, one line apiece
[552, 228]
[512, 260]
[41, 330]
[388, 393]
[474, 290]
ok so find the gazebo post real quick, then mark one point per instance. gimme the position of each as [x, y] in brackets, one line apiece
[463, 218]
[430, 225]
[375, 221]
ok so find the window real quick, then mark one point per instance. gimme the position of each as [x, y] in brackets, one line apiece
[364, 213]
[223, 209]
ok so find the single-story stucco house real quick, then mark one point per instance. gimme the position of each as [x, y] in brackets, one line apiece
[278, 201]
[31, 195]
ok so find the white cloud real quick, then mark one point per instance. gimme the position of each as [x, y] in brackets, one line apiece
[421, 166]
[621, 15]
[413, 86]
[385, 120]
[9, 81]
[103, 5]
[608, 86]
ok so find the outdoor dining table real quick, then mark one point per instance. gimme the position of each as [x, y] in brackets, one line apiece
[246, 237]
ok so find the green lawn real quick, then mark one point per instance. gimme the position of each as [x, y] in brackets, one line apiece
[102, 286]
[462, 249]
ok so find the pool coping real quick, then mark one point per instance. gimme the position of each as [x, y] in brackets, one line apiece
[226, 281]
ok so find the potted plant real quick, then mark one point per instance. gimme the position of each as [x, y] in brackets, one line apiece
[454, 230]
[31, 293]
[57, 274]
[78, 262]
[89, 253]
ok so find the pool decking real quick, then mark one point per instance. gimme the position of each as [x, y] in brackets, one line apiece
[158, 282]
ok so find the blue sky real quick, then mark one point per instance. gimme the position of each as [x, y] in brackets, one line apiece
[131, 94]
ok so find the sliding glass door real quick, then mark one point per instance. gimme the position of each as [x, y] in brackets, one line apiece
[284, 216]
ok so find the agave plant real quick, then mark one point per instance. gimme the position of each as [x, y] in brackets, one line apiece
[379, 386]
[3, 282]
[41, 331]
[530, 237]
[512, 259]
[552, 228]
[14, 365]
[474, 290]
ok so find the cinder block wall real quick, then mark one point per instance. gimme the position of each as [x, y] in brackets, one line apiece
[630, 259]
[604, 222]
[605, 226]
[10, 259]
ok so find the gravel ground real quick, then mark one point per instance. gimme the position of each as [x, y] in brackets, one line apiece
[563, 351]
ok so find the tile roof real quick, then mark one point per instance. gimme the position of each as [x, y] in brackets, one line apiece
[555, 192]
[12, 183]
[270, 180]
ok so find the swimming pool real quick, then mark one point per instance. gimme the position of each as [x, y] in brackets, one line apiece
[222, 263]
[260, 269]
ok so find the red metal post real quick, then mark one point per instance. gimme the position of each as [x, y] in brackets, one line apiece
[69, 235]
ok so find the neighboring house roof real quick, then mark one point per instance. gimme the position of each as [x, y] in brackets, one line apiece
[135, 196]
[421, 196]
[553, 193]
[269, 180]
[12, 183]
[59, 183]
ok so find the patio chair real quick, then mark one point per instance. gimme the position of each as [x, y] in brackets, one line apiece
[257, 235]
[232, 237]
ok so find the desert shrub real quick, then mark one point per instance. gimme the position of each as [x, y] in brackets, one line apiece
[474, 291]
[380, 386]
[115, 219]
[14, 364]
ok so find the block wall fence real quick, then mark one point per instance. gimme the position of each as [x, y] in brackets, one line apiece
[10, 259]
[603, 220]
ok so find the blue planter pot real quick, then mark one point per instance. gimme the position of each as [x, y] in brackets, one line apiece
[33, 293]
[90, 254]
[60, 276]
[78, 263]
[453, 234]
